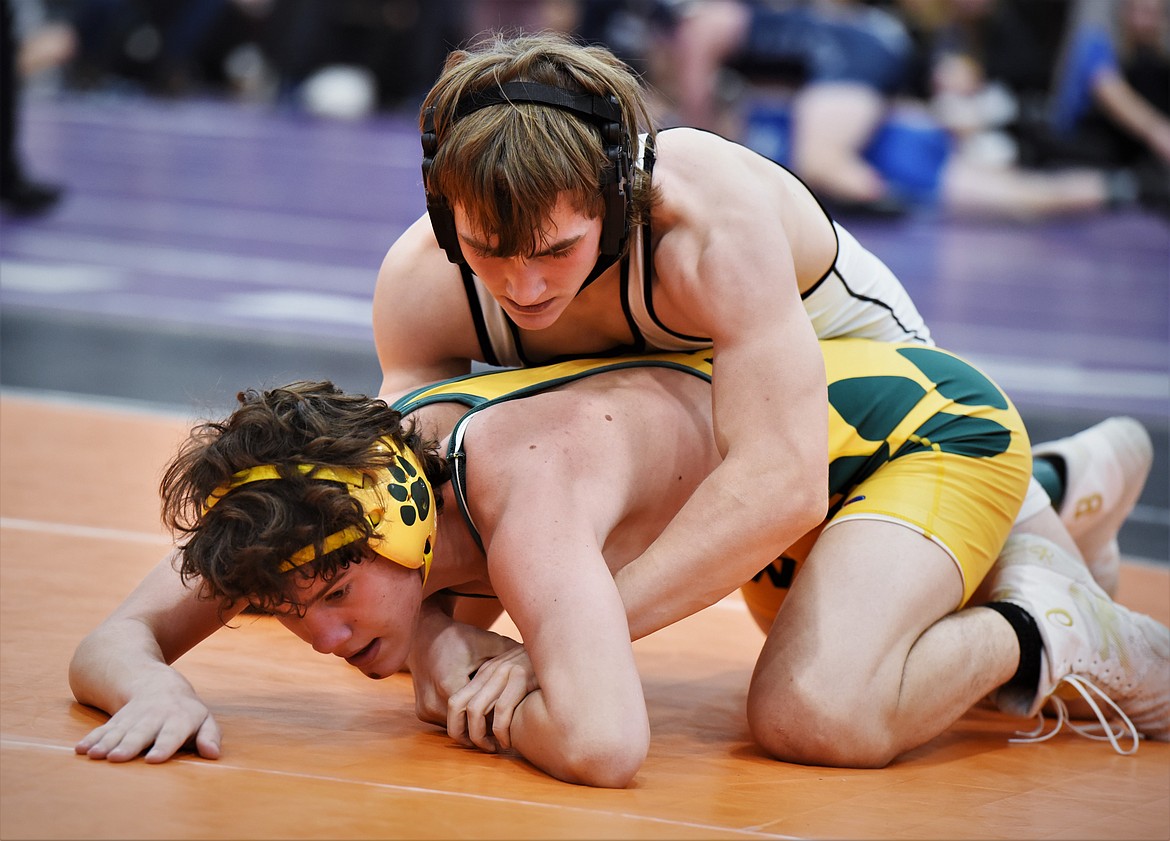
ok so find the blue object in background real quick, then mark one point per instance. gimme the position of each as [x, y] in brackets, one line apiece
[909, 150]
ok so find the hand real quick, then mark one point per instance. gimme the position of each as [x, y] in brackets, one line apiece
[481, 712]
[164, 724]
[443, 660]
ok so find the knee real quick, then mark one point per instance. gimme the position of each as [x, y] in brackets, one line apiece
[806, 721]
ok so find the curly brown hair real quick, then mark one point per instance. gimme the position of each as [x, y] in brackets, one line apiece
[507, 165]
[235, 549]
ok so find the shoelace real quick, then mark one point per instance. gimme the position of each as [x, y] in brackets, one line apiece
[1086, 689]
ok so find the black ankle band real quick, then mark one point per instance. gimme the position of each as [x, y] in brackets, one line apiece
[1027, 676]
[1050, 472]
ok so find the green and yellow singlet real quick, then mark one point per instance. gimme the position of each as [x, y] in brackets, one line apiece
[917, 437]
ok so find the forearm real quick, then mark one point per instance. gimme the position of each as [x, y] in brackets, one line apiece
[769, 424]
[154, 711]
[1129, 109]
[114, 664]
[571, 701]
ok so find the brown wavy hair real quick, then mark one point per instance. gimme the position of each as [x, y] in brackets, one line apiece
[507, 164]
[235, 549]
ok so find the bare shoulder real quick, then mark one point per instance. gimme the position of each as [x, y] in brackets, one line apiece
[619, 413]
[586, 455]
[693, 161]
[415, 268]
[702, 169]
[724, 201]
[422, 323]
[525, 471]
[542, 429]
[543, 448]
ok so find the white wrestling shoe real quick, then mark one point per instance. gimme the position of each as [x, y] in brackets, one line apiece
[1092, 646]
[1106, 467]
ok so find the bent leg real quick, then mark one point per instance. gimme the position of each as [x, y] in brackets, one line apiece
[1011, 193]
[831, 124]
[866, 659]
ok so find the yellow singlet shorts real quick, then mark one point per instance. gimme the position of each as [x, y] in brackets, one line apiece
[922, 439]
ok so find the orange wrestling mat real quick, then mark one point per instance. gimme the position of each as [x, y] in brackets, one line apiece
[314, 750]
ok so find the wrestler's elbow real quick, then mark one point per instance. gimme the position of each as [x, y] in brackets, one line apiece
[810, 500]
[803, 490]
[606, 756]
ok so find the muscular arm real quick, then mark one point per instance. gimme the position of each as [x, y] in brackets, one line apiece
[123, 668]
[726, 269]
[587, 721]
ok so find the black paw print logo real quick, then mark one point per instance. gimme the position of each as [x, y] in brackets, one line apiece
[410, 490]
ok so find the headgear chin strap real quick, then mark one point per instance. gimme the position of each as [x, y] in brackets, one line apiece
[616, 180]
[398, 502]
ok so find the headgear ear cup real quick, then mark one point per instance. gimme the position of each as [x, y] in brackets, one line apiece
[603, 112]
[616, 182]
[442, 217]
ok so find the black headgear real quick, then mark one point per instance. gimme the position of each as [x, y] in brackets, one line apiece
[616, 180]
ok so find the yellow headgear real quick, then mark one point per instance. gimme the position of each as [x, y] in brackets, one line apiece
[398, 501]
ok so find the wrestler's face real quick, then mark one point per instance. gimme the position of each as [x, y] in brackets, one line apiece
[535, 290]
[366, 615]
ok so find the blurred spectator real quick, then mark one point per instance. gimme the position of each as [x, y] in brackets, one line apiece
[846, 58]
[337, 58]
[955, 147]
[985, 66]
[398, 45]
[522, 15]
[167, 47]
[987, 70]
[1111, 103]
[270, 49]
[20, 195]
[44, 43]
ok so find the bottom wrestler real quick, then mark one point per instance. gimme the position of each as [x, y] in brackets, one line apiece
[321, 508]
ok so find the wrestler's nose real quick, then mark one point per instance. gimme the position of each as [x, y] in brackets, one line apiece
[526, 283]
[325, 630]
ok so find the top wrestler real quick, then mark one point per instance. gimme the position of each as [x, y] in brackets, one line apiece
[289, 504]
[561, 225]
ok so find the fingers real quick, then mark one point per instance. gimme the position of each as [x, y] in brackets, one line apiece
[115, 742]
[124, 738]
[208, 739]
[169, 741]
[468, 708]
[463, 708]
[90, 744]
[481, 713]
[173, 738]
[515, 691]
